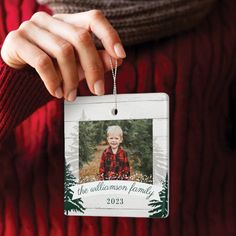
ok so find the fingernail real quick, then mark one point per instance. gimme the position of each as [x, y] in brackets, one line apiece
[99, 87]
[58, 92]
[119, 50]
[72, 95]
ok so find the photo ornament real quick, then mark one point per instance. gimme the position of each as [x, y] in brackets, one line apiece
[117, 164]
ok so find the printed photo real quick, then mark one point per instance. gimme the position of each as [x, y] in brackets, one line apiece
[116, 150]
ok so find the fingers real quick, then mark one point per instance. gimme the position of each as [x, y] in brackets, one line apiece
[63, 52]
[105, 58]
[84, 46]
[81, 40]
[96, 22]
[59, 49]
[43, 64]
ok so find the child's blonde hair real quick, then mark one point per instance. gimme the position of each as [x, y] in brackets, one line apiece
[115, 129]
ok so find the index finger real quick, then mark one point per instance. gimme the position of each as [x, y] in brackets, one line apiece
[96, 22]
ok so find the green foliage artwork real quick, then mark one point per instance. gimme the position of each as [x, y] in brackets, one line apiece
[87, 141]
[69, 204]
[160, 208]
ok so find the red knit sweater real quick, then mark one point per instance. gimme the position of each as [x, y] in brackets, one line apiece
[196, 69]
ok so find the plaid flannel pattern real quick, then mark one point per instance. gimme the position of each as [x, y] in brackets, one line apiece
[114, 166]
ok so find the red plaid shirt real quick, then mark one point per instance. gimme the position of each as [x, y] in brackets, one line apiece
[114, 166]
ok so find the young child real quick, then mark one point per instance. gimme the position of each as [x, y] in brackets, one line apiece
[114, 164]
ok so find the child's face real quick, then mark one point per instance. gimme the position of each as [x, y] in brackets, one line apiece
[114, 140]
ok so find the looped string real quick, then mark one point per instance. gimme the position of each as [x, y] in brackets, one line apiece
[114, 73]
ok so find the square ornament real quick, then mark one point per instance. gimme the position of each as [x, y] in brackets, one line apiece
[117, 156]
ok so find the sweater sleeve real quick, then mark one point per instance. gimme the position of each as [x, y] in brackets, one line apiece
[21, 93]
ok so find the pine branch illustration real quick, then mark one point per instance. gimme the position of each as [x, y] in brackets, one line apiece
[75, 205]
[160, 208]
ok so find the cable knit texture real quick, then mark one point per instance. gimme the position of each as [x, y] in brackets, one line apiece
[21, 92]
[196, 69]
[140, 21]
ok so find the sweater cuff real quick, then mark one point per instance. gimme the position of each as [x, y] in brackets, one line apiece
[21, 93]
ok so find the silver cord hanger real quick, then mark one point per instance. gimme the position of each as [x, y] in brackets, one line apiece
[114, 74]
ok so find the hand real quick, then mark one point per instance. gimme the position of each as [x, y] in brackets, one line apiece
[62, 51]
